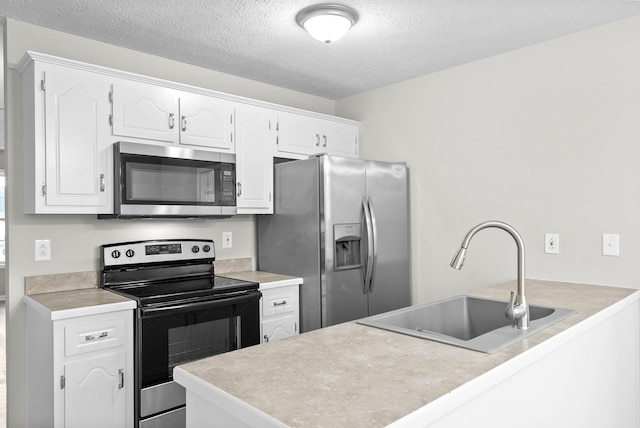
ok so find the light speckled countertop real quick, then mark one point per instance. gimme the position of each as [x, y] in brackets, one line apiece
[358, 376]
[75, 303]
[265, 279]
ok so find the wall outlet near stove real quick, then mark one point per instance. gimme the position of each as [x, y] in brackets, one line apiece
[43, 250]
[227, 240]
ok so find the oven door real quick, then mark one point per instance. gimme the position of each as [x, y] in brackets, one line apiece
[158, 181]
[170, 336]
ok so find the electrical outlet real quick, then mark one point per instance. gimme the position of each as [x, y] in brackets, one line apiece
[227, 240]
[43, 250]
[610, 244]
[552, 243]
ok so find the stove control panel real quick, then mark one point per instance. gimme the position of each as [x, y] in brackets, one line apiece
[141, 252]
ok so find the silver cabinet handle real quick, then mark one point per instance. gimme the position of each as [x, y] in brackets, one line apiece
[239, 189]
[184, 123]
[121, 375]
[324, 138]
[90, 337]
[103, 182]
[172, 120]
[317, 140]
[284, 302]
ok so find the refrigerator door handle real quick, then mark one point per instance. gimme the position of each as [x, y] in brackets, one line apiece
[366, 268]
[374, 246]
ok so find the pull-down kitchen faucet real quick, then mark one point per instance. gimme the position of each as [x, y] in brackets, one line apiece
[517, 309]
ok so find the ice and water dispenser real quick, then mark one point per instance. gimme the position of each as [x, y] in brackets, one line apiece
[347, 240]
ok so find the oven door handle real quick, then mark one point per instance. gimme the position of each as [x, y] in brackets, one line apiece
[245, 296]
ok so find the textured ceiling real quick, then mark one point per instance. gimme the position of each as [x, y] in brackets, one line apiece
[260, 40]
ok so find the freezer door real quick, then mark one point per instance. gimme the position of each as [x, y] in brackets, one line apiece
[344, 297]
[387, 194]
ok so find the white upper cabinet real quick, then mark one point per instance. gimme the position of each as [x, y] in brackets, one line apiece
[145, 111]
[206, 122]
[254, 159]
[166, 115]
[300, 136]
[74, 112]
[67, 147]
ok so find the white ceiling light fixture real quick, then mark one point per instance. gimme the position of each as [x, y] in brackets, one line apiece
[327, 22]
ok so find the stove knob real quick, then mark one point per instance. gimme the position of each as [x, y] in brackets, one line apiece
[195, 249]
[130, 253]
[206, 248]
[115, 254]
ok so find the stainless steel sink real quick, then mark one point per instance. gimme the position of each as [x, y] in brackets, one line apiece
[468, 322]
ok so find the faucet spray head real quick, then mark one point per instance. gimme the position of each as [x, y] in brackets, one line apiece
[458, 258]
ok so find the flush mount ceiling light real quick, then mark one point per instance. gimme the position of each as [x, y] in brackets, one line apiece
[327, 22]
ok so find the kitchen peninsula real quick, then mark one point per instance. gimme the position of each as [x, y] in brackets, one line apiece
[582, 371]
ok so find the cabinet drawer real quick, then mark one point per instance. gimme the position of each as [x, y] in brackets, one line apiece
[94, 336]
[275, 302]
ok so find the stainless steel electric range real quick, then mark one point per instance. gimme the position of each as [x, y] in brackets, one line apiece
[185, 312]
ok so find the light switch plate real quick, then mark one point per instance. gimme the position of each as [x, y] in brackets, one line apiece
[552, 243]
[227, 240]
[610, 244]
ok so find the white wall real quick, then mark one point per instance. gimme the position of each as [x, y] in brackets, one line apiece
[546, 138]
[74, 238]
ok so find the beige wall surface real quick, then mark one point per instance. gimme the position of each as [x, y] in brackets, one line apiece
[546, 138]
[75, 238]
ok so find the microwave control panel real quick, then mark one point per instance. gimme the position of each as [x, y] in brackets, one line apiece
[228, 179]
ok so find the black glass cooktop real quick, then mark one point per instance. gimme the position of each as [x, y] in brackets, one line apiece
[183, 290]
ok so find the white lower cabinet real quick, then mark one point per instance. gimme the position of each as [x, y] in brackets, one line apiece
[80, 370]
[279, 313]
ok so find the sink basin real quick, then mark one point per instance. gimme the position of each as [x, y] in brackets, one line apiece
[468, 322]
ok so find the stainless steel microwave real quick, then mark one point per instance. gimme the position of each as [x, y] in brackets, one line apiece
[160, 181]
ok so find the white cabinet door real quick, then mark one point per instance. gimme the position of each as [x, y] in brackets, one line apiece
[95, 391]
[77, 150]
[145, 111]
[279, 329]
[340, 139]
[300, 136]
[206, 122]
[254, 160]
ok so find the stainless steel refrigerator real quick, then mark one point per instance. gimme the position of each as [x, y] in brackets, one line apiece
[343, 226]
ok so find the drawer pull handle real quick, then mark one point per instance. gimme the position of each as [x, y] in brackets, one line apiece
[284, 302]
[90, 337]
[121, 374]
